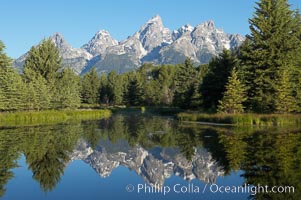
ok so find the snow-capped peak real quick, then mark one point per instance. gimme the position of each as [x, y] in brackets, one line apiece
[99, 43]
[153, 34]
[182, 30]
[154, 19]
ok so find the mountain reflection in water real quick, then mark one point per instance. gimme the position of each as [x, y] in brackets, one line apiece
[155, 148]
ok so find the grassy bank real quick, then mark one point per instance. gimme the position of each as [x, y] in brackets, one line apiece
[243, 119]
[50, 117]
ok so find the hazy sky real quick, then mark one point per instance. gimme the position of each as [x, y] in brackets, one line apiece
[25, 23]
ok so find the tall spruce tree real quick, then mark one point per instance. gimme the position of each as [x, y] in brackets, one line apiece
[214, 82]
[285, 101]
[185, 80]
[37, 94]
[69, 90]
[13, 90]
[103, 90]
[5, 62]
[115, 88]
[11, 85]
[134, 93]
[234, 96]
[274, 44]
[43, 60]
[91, 87]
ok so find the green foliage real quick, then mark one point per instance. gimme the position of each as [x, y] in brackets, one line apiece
[214, 83]
[5, 61]
[50, 117]
[38, 95]
[285, 101]
[68, 88]
[274, 45]
[115, 89]
[186, 85]
[12, 92]
[91, 87]
[43, 60]
[234, 96]
[134, 95]
[11, 86]
[241, 119]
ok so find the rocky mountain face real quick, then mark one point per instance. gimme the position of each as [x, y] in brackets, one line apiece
[154, 166]
[152, 43]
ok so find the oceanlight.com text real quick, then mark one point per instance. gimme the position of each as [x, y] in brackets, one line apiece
[202, 189]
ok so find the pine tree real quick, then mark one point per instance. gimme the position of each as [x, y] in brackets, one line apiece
[274, 44]
[43, 60]
[5, 61]
[134, 94]
[37, 94]
[91, 87]
[185, 80]
[11, 85]
[103, 90]
[115, 90]
[166, 74]
[13, 90]
[234, 96]
[214, 82]
[285, 101]
[69, 90]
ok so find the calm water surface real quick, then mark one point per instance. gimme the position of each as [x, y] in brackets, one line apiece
[141, 156]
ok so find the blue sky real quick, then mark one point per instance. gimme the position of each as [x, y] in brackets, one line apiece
[25, 23]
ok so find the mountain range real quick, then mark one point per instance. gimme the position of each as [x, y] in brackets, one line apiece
[153, 165]
[153, 43]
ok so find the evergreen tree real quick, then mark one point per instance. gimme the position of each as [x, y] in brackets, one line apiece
[134, 95]
[69, 90]
[285, 101]
[37, 94]
[12, 89]
[166, 74]
[274, 44]
[43, 60]
[104, 90]
[115, 90]
[234, 96]
[214, 82]
[91, 87]
[185, 81]
[152, 93]
[5, 61]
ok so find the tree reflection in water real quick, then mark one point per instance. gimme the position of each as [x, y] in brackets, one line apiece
[266, 156]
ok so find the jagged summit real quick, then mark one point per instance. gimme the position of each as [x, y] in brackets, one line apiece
[59, 41]
[155, 19]
[99, 43]
[146, 164]
[153, 42]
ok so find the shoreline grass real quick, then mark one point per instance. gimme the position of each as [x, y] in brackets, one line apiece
[50, 117]
[242, 119]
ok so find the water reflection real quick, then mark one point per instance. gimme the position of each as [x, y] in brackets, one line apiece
[156, 148]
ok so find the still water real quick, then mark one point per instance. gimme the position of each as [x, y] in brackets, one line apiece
[142, 156]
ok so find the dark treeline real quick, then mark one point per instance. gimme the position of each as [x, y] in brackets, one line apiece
[262, 76]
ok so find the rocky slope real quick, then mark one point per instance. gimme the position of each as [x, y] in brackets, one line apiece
[152, 43]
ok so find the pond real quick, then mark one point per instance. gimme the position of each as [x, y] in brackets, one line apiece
[144, 156]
